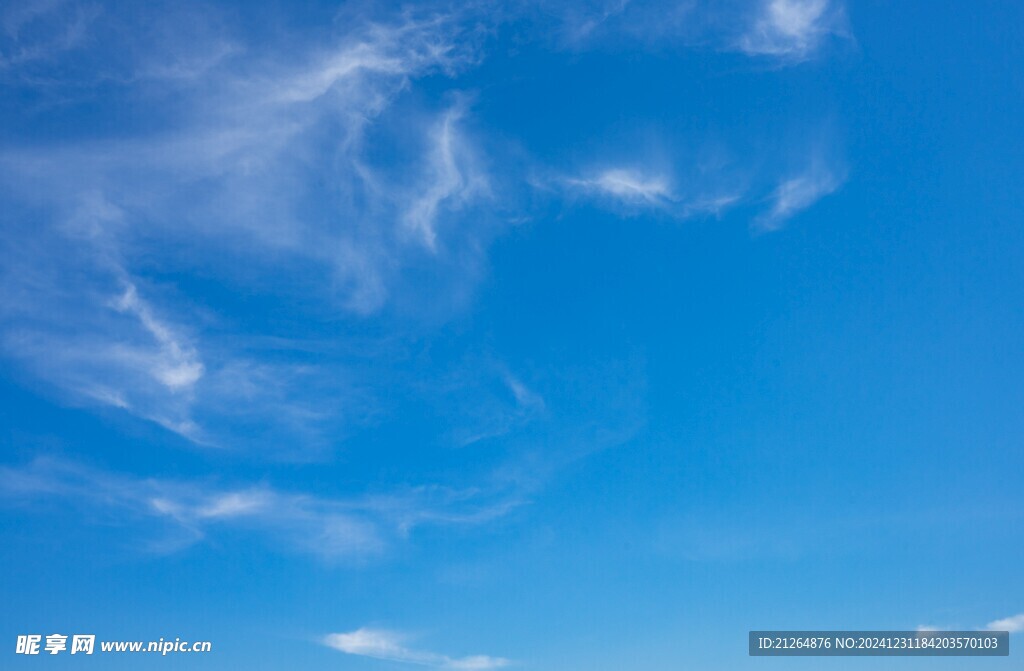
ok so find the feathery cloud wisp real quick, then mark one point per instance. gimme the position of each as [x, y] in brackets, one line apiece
[332, 528]
[177, 366]
[240, 175]
[637, 191]
[791, 29]
[797, 193]
[450, 179]
[629, 186]
[388, 645]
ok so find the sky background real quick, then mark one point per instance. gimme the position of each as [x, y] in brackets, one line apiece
[552, 336]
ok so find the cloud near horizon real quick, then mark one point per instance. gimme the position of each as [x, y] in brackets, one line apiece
[1013, 624]
[389, 645]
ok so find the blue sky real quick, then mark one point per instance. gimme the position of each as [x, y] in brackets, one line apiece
[549, 336]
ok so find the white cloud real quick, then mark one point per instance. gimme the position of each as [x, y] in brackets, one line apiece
[388, 645]
[633, 190]
[450, 179]
[629, 186]
[358, 527]
[526, 398]
[257, 148]
[267, 171]
[797, 193]
[97, 346]
[235, 504]
[270, 167]
[791, 29]
[116, 352]
[1012, 624]
[382, 51]
[176, 364]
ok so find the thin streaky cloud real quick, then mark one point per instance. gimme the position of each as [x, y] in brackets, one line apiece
[797, 193]
[354, 528]
[451, 179]
[406, 48]
[231, 181]
[390, 646]
[791, 29]
[97, 346]
[630, 186]
[40, 32]
[580, 24]
[633, 191]
[258, 144]
[525, 397]
[483, 400]
[248, 139]
[786, 31]
[178, 366]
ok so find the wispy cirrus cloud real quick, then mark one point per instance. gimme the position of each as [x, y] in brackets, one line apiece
[799, 192]
[254, 148]
[636, 190]
[76, 319]
[483, 400]
[61, 48]
[391, 646]
[41, 30]
[354, 528]
[102, 341]
[451, 181]
[580, 23]
[791, 29]
[306, 179]
[787, 31]
[174, 363]
[629, 186]
[269, 167]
